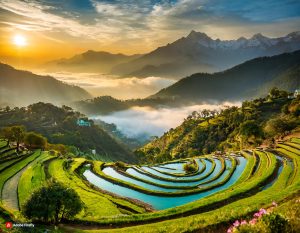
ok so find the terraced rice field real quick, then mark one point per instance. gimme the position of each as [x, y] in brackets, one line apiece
[163, 197]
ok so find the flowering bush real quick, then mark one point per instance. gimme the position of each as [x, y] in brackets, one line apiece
[244, 226]
[271, 221]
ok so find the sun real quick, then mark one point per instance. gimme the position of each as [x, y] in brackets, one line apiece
[20, 40]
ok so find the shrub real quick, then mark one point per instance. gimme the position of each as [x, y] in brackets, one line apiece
[121, 165]
[33, 141]
[52, 203]
[190, 167]
[275, 223]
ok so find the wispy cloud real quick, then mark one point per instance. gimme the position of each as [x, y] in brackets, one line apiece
[122, 88]
[147, 121]
[149, 23]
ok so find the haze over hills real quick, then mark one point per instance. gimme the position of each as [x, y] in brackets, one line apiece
[199, 53]
[250, 79]
[21, 88]
[90, 61]
[59, 125]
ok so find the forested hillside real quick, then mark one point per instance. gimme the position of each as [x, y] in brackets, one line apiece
[230, 129]
[21, 88]
[250, 79]
[59, 125]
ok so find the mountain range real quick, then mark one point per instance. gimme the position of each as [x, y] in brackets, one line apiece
[90, 61]
[199, 53]
[253, 78]
[248, 80]
[21, 88]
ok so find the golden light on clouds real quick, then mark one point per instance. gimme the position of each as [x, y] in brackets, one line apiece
[19, 40]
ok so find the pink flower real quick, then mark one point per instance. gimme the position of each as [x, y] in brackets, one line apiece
[236, 223]
[253, 221]
[243, 222]
[274, 203]
[230, 230]
[257, 215]
[262, 211]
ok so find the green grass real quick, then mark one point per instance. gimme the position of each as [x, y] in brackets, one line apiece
[97, 206]
[97, 170]
[228, 213]
[289, 148]
[236, 190]
[6, 174]
[32, 178]
[184, 174]
[237, 201]
[178, 180]
[3, 143]
[6, 164]
[296, 145]
[295, 140]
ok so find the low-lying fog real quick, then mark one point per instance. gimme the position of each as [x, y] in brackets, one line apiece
[145, 121]
[121, 88]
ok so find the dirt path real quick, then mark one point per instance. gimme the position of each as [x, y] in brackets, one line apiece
[10, 190]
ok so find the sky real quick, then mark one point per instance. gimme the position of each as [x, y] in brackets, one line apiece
[56, 29]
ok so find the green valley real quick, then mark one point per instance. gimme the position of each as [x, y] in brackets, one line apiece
[229, 182]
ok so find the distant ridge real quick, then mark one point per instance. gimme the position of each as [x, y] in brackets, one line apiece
[197, 52]
[250, 79]
[21, 88]
[90, 61]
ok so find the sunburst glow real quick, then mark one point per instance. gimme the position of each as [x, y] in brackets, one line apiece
[20, 40]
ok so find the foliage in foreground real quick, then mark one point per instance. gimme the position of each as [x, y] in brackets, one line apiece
[53, 203]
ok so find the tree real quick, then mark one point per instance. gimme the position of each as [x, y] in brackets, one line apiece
[14, 133]
[274, 93]
[279, 125]
[190, 167]
[33, 141]
[53, 203]
[249, 129]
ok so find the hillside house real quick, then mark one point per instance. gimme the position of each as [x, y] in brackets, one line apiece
[83, 122]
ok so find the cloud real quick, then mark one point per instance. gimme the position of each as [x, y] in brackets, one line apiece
[145, 121]
[149, 23]
[122, 88]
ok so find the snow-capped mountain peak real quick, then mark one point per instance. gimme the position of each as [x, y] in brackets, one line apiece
[257, 40]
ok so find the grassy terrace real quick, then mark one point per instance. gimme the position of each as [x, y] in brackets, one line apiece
[234, 210]
[7, 173]
[6, 164]
[198, 171]
[33, 178]
[177, 187]
[3, 144]
[105, 210]
[97, 170]
[140, 170]
[277, 192]
[289, 148]
[166, 186]
[293, 144]
[239, 190]
[97, 204]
